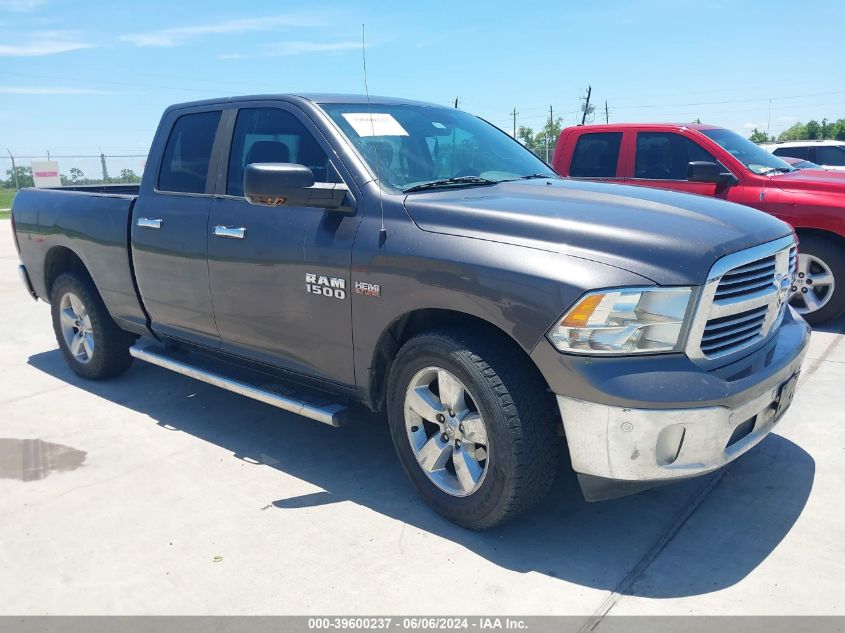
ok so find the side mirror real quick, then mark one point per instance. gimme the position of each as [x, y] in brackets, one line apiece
[705, 171]
[277, 184]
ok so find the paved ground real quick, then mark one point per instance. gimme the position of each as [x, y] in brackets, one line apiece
[161, 475]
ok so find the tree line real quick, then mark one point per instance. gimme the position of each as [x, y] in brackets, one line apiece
[75, 176]
[809, 131]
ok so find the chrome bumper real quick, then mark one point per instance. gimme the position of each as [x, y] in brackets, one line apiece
[662, 444]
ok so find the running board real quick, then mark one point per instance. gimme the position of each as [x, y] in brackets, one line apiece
[249, 384]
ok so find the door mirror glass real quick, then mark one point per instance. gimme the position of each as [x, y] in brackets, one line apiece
[705, 171]
[289, 184]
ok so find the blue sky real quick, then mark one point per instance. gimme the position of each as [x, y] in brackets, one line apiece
[83, 76]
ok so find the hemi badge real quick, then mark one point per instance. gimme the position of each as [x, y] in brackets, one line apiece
[366, 288]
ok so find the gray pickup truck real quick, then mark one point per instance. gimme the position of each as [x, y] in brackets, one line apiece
[322, 252]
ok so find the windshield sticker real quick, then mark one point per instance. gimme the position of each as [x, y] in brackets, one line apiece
[375, 124]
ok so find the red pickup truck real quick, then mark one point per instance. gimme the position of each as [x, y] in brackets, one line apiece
[713, 161]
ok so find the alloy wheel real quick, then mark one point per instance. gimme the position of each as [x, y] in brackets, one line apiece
[76, 327]
[814, 284]
[447, 432]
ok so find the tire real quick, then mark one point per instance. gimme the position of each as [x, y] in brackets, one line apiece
[93, 345]
[516, 449]
[816, 302]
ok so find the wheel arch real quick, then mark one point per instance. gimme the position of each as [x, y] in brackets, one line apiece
[415, 322]
[61, 259]
[803, 232]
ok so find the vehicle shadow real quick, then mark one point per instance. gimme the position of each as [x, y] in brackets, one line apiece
[593, 544]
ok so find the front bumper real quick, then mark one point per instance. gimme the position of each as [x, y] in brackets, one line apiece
[683, 421]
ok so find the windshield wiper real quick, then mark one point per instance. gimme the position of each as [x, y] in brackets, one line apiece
[447, 182]
[532, 176]
[779, 170]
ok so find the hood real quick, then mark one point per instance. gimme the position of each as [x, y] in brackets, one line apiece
[671, 238]
[815, 180]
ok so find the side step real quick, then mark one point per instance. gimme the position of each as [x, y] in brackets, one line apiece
[244, 382]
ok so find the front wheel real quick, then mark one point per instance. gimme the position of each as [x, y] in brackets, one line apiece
[473, 425]
[818, 293]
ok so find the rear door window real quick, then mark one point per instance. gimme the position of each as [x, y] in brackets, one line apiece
[793, 152]
[666, 156]
[184, 166]
[596, 155]
[830, 155]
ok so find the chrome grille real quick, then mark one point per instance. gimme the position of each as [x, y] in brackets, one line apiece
[747, 279]
[727, 332]
[743, 301]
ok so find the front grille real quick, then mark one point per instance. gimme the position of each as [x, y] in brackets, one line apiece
[747, 280]
[743, 301]
[724, 333]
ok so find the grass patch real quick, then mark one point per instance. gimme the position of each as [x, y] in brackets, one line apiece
[6, 196]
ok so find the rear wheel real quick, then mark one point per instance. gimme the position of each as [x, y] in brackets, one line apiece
[93, 345]
[818, 293]
[473, 425]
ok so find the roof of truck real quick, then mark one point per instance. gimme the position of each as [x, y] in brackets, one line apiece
[313, 97]
[616, 126]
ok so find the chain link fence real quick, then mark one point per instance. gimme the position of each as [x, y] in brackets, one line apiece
[98, 169]
[544, 153]
[74, 169]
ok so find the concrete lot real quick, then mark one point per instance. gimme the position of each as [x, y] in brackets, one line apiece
[173, 497]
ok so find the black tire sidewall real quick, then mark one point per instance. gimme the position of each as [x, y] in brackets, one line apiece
[104, 331]
[473, 510]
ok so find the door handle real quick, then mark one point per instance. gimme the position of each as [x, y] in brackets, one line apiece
[149, 223]
[234, 233]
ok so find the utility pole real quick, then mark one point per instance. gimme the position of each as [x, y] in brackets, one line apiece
[769, 122]
[586, 106]
[514, 113]
[456, 102]
[549, 129]
[606, 112]
[14, 170]
[48, 154]
[105, 171]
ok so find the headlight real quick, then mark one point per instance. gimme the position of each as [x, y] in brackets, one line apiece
[624, 321]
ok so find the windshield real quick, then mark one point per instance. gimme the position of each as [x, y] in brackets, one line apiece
[752, 156]
[415, 147]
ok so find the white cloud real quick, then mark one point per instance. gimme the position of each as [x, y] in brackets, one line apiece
[40, 43]
[167, 38]
[48, 90]
[751, 126]
[787, 119]
[284, 49]
[21, 6]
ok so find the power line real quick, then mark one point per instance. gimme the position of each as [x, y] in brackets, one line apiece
[701, 103]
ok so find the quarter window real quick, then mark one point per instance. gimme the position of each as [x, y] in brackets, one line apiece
[184, 166]
[271, 135]
[666, 156]
[830, 155]
[596, 155]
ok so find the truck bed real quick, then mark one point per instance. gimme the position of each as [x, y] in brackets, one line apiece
[91, 221]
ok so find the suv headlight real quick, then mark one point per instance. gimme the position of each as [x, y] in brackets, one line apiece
[624, 321]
